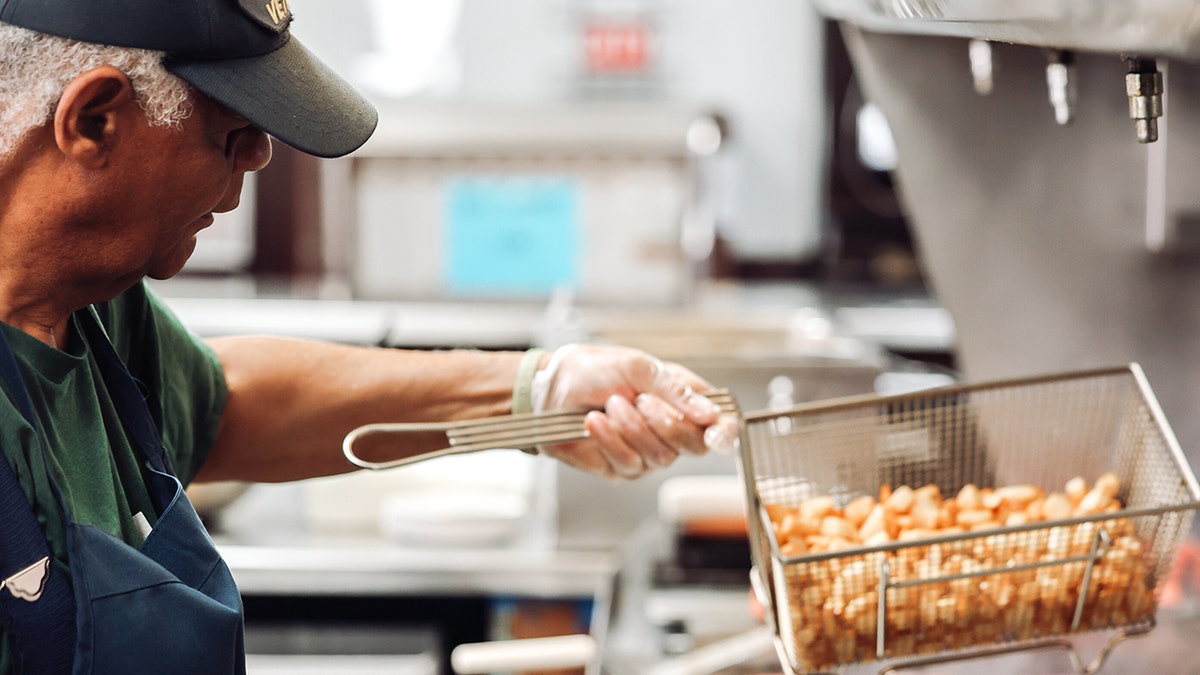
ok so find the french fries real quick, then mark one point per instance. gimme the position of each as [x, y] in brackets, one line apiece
[962, 593]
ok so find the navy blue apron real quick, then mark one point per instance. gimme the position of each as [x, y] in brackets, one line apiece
[169, 606]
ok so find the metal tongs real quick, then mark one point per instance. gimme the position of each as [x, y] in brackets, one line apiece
[524, 430]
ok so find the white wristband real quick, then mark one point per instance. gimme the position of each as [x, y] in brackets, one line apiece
[539, 389]
[522, 399]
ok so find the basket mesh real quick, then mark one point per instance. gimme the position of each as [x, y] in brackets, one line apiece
[958, 588]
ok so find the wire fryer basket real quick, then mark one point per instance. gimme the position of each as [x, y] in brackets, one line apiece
[835, 600]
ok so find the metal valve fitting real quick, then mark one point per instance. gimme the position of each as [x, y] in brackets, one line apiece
[1144, 86]
[1061, 85]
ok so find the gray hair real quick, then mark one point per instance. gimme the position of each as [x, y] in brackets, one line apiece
[35, 68]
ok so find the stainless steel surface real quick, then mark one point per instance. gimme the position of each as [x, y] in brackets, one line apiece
[348, 566]
[236, 306]
[1051, 247]
[526, 430]
[1037, 431]
[350, 664]
[318, 647]
[344, 321]
[1151, 27]
[1140, 31]
[275, 546]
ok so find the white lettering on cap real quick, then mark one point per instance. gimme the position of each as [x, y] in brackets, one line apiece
[278, 9]
[272, 14]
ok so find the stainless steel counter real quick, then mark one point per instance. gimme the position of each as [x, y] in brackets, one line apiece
[273, 548]
[905, 322]
[349, 566]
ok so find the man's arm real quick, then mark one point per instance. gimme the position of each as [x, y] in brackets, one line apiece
[292, 402]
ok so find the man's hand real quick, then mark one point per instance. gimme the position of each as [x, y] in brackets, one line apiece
[645, 412]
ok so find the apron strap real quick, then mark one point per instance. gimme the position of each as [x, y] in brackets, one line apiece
[37, 606]
[126, 393]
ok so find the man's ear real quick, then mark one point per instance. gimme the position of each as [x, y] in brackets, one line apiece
[88, 118]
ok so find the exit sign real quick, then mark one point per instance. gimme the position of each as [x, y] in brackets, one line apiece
[617, 48]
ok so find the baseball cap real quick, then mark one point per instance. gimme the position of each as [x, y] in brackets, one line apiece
[238, 52]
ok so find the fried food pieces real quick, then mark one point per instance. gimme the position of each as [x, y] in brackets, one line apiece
[951, 595]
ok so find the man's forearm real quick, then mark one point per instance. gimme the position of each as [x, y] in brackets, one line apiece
[291, 402]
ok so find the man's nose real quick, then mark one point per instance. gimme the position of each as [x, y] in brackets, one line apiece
[251, 149]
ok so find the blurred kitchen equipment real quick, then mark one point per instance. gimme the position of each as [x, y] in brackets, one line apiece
[322, 648]
[1133, 27]
[642, 626]
[489, 433]
[1138, 30]
[704, 523]
[1036, 431]
[580, 651]
[531, 654]
[490, 500]
[767, 358]
[505, 202]
[1054, 246]
[210, 498]
[533, 58]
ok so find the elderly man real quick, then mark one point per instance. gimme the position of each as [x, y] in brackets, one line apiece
[124, 126]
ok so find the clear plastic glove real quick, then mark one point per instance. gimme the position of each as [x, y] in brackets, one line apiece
[645, 412]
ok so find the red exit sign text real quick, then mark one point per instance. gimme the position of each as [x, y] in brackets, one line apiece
[614, 48]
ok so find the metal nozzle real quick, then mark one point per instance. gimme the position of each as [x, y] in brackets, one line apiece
[1144, 86]
[980, 54]
[1061, 85]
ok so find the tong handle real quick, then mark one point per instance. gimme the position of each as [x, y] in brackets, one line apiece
[489, 433]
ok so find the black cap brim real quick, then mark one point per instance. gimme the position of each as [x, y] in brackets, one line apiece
[288, 93]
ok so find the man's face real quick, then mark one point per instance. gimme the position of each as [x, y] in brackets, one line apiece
[178, 178]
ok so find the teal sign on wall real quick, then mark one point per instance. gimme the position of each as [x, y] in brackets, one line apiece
[512, 235]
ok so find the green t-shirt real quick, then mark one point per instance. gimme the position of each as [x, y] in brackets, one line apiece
[91, 457]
